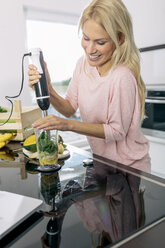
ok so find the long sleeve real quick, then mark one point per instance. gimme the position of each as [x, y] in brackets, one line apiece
[121, 106]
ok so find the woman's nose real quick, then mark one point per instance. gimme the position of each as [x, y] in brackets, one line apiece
[91, 48]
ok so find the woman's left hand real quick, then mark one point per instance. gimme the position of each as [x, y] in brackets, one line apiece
[52, 122]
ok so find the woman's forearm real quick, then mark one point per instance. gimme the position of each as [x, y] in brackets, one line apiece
[52, 122]
[61, 104]
[88, 129]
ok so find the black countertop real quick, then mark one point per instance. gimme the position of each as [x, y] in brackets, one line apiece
[99, 205]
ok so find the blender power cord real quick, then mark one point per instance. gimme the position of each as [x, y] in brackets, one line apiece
[10, 97]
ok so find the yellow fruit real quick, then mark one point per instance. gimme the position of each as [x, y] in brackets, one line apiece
[30, 143]
[6, 154]
[60, 148]
[8, 157]
[2, 152]
[5, 138]
[2, 144]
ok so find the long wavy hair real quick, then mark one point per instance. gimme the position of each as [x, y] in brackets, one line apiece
[114, 17]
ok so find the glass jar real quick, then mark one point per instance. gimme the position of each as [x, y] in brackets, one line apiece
[47, 146]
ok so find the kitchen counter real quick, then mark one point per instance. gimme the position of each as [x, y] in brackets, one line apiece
[103, 203]
[154, 135]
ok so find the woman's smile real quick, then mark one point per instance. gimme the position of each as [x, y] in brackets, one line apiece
[94, 57]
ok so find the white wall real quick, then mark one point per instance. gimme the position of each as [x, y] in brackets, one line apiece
[12, 46]
[148, 22]
[148, 19]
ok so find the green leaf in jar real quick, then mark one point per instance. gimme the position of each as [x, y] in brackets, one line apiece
[45, 144]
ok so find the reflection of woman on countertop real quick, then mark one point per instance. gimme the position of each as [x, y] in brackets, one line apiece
[106, 86]
[118, 209]
[110, 204]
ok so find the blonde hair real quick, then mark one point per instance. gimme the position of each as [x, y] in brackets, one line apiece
[114, 17]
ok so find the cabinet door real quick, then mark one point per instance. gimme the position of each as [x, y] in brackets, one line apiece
[157, 154]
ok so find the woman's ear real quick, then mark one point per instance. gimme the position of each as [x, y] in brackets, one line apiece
[121, 38]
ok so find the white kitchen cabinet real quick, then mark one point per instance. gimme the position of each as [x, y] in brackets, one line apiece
[157, 154]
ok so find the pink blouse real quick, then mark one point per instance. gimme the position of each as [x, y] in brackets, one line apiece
[113, 101]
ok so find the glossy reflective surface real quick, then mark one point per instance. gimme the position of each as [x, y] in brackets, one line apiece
[85, 206]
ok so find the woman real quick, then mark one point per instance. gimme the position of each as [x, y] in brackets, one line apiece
[106, 86]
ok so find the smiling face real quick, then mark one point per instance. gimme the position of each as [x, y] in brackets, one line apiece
[98, 46]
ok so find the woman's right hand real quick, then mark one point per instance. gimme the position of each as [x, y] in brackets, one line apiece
[34, 76]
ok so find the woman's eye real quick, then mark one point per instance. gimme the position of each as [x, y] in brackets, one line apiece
[85, 38]
[101, 43]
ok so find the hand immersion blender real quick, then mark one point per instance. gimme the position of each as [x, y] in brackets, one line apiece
[41, 88]
[42, 96]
